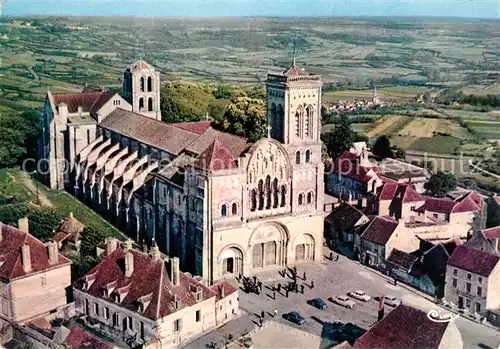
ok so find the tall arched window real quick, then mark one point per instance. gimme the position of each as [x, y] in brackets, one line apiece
[309, 198]
[283, 196]
[298, 116]
[268, 192]
[307, 123]
[297, 157]
[301, 199]
[150, 84]
[223, 210]
[253, 200]
[150, 104]
[234, 208]
[261, 195]
[142, 84]
[308, 156]
[141, 104]
[275, 193]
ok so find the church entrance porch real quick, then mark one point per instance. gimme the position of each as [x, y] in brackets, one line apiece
[268, 246]
[304, 248]
[232, 261]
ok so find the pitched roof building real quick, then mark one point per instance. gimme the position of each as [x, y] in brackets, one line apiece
[140, 294]
[29, 269]
[409, 328]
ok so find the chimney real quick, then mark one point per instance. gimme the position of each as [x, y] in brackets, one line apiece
[129, 264]
[53, 253]
[154, 252]
[110, 245]
[174, 271]
[62, 110]
[23, 225]
[127, 245]
[71, 215]
[26, 258]
[222, 292]
[1, 231]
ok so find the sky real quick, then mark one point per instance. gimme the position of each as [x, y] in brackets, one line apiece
[215, 8]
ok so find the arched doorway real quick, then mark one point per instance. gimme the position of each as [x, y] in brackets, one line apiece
[268, 243]
[232, 261]
[304, 248]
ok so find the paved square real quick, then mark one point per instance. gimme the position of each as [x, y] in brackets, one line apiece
[331, 278]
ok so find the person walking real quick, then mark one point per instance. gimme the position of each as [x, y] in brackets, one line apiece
[274, 294]
[302, 288]
[304, 276]
[262, 314]
[312, 284]
[286, 293]
[275, 312]
[279, 287]
[331, 256]
[336, 258]
[261, 322]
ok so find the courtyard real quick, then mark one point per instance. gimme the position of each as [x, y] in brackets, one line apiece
[331, 278]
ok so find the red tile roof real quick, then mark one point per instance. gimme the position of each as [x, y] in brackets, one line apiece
[475, 261]
[228, 289]
[198, 127]
[295, 70]
[402, 259]
[404, 327]
[347, 165]
[437, 205]
[86, 100]
[470, 202]
[379, 230]
[10, 254]
[492, 233]
[407, 192]
[149, 279]
[215, 158]
[139, 65]
[78, 338]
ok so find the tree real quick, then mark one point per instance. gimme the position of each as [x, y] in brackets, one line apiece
[244, 117]
[91, 237]
[382, 147]
[493, 213]
[339, 139]
[441, 183]
[43, 223]
[399, 153]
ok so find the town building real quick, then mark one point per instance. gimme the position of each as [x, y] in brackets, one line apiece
[222, 204]
[397, 171]
[376, 240]
[69, 233]
[409, 328]
[472, 279]
[341, 224]
[34, 277]
[141, 299]
[398, 200]
[487, 240]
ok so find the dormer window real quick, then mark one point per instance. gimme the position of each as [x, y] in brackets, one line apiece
[143, 302]
[199, 294]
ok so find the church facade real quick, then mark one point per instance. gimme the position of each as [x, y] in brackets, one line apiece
[221, 204]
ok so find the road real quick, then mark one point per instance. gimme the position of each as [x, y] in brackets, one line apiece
[335, 278]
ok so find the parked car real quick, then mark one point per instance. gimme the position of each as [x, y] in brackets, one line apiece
[359, 295]
[318, 303]
[295, 317]
[392, 301]
[344, 301]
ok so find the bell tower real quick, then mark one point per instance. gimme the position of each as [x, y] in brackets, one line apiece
[294, 105]
[141, 87]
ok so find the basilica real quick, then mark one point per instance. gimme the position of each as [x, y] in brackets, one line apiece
[221, 204]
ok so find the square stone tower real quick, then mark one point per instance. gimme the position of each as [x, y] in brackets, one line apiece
[141, 86]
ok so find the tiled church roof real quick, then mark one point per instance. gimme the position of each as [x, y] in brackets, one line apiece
[89, 101]
[12, 241]
[198, 127]
[216, 157]
[295, 70]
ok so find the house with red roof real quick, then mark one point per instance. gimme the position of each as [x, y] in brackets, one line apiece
[472, 280]
[487, 240]
[398, 200]
[352, 177]
[142, 299]
[34, 277]
[409, 328]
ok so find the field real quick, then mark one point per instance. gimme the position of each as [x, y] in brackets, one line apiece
[400, 93]
[487, 130]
